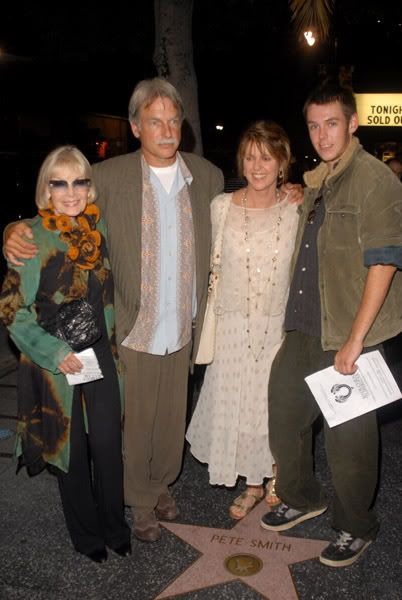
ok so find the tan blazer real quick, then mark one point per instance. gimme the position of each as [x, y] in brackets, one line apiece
[119, 186]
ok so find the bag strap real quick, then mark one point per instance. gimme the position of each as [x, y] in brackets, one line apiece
[217, 249]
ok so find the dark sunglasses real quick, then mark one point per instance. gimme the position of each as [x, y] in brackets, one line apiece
[62, 184]
[313, 211]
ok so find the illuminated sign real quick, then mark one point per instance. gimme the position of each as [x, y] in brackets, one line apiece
[379, 110]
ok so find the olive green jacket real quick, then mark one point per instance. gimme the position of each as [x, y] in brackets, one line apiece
[362, 227]
[119, 185]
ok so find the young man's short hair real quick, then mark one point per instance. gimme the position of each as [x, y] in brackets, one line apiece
[331, 91]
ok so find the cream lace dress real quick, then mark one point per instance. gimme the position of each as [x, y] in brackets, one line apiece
[229, 427]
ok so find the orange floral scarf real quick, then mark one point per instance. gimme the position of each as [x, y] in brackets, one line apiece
[79, 234]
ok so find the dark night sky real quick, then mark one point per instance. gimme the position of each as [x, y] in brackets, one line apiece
[63, 58]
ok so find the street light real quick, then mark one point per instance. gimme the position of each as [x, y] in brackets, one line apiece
[309, 37]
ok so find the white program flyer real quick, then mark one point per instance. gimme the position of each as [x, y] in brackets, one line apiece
[344, 397]
[90, 370]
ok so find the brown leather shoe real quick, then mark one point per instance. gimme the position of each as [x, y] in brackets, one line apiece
[166, 509]
[146, 527]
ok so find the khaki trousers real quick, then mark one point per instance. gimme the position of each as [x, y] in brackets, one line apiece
[154, 424]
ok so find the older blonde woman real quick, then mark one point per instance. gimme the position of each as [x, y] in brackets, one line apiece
[253, 233]
[61, 426]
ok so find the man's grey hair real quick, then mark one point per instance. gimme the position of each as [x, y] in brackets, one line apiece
[148, 90]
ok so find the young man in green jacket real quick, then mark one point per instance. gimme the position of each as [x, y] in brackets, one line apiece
[344, 299]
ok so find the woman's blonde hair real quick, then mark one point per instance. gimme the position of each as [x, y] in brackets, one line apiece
[269, 135]
[64, 155]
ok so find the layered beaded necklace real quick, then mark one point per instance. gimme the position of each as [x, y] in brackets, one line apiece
[256, 354]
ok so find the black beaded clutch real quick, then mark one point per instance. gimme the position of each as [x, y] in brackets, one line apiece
[75, 323]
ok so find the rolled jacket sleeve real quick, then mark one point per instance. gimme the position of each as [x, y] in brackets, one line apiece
[390, 255]
[381, 227]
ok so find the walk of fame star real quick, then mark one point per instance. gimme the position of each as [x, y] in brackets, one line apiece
[258, 557]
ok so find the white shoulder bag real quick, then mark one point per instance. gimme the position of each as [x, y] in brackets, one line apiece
[206, 348]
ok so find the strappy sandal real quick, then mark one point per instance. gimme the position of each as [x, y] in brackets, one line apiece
[270, 497]
[244, 503]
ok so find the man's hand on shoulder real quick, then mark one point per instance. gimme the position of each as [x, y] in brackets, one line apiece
[294, 192]
[17, 244]
[345, 359]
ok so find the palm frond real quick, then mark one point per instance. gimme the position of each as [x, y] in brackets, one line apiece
[312, 14]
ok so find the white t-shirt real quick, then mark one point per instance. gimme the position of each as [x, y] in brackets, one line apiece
[166, 175]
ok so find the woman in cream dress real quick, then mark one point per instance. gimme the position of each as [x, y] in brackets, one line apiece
[257, 225]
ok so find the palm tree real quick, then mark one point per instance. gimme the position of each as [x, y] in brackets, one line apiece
[173, 58]
[312, 14]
